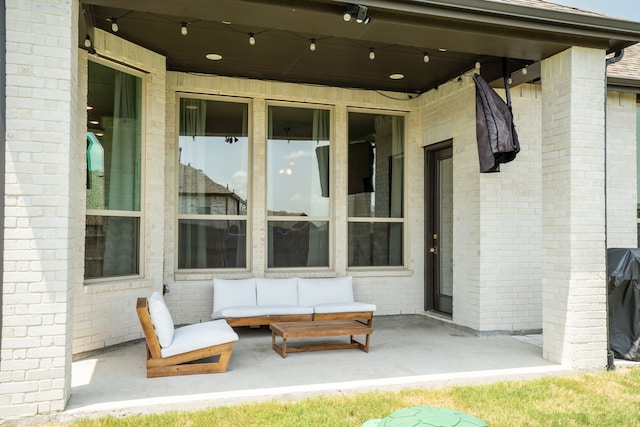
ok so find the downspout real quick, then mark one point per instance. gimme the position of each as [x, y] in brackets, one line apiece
[618, 55]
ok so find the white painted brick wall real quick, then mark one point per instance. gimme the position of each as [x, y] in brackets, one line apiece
[41, 229]
[573, 209]
[621, 170]
[104, 313]
[496, 216]
[511, 227]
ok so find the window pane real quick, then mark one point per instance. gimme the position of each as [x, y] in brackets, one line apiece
[114, 141]
[111, 246]
[375, 244]
[376, 165]
[298, 162]
[213, 153]
[212, 244]
[298, 244]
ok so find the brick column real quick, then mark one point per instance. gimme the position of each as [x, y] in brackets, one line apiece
[574, 269]
[43, 188]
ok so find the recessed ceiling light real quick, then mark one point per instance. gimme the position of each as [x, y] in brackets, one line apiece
[396, 76]
[214, 56]
[94, 122]
[443, 49]
[226, 22]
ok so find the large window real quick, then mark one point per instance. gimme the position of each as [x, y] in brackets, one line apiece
[298, 202]
[212, 184]
[114, 181]
[375, 190]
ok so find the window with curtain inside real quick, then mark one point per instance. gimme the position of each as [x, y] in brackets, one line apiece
[213, 164]
[114, 173]
[375, 190]
[298, 192]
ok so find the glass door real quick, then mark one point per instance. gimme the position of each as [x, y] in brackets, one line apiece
[439, 228]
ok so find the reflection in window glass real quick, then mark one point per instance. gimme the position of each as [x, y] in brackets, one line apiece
[212, 244]
[375, 189]
[114, 173]
[373, 244]
[112, 248]
[298, 164]
[212, 181]
[298, 244]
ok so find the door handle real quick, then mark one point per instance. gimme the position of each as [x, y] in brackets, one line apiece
[434, 250]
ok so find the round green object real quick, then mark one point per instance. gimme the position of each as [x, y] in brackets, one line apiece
[432, 416]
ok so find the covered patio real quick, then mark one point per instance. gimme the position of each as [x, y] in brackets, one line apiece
[406, 351]
[525, 249]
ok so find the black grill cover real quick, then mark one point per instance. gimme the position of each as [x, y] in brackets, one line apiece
[623, 273]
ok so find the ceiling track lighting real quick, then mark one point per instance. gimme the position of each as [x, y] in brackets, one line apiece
[359, 12]
[183, 29]
[312, 45]
[252, 39]
[114, 24]
[372, 54]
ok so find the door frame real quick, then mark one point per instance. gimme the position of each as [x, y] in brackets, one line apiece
[431, 222]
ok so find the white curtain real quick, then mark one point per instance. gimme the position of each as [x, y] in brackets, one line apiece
[193, 117]
[318, 235]
[320, 125]
[193, 233]
[321, 132]
[396, 185]
[123, 191]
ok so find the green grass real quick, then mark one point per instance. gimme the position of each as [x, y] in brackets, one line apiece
[595, 399]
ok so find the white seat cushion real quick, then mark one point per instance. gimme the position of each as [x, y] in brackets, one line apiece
[262, 310]
[313, 292]
[344, 307]
[233, 292]
[161, 319]
[200, 335]
[277, 291]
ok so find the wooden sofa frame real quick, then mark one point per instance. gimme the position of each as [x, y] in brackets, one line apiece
[158, 366]
[365, 317]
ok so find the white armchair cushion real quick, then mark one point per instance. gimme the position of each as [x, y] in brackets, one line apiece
[313, 292]
[200, 335]
[277, 291]
[161, 319]
[233, 292]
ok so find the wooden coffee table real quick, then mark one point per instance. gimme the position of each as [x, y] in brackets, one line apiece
[314, 329]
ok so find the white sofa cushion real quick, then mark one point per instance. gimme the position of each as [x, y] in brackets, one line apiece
[344, 307]
[161, 319]
[233, 292]
[263, 310]
[277, 291]
[200, 335]
[313, 292]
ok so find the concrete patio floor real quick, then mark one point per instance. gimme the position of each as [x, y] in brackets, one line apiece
[407, 351]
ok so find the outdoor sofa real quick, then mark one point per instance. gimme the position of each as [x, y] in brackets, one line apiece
[262, 301]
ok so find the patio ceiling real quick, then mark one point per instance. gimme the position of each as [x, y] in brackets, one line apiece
[400, 32]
